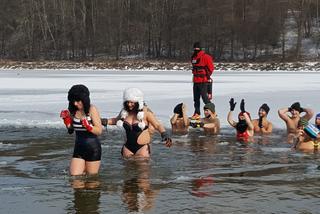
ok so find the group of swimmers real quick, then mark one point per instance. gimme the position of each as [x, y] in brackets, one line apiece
[84, 119]
[140, 123]
[302, 134]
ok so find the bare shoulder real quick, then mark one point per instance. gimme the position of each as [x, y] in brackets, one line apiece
[93, 108]
[147, 109]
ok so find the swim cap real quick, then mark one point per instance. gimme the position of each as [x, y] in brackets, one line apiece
[318, 116]
[296, 106]
[178, 109]
[134, 95]
[265, 107]
[210, 106]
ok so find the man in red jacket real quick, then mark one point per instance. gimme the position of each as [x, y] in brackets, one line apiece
[202, 68]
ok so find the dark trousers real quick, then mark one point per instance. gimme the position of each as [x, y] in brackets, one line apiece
[200, 89]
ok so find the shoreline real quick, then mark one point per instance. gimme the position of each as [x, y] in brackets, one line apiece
[148, 65]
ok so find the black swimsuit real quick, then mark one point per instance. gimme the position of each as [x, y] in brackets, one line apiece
[133, 132]
[87, 145]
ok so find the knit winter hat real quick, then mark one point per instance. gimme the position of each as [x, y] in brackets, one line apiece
[210, 106]
[265, 107]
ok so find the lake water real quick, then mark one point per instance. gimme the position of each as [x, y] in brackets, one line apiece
[199, 174]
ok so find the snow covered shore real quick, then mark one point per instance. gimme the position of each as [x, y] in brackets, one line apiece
[140, 64]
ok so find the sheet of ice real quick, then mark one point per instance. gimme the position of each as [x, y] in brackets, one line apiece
[35, 97]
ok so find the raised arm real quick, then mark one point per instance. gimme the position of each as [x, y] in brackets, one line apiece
[185, 116]
[173, 119]
[229, 118]
[283, 114]
[309, 113]
[248, 121]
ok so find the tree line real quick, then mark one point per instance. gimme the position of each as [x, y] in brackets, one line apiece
[111, 29]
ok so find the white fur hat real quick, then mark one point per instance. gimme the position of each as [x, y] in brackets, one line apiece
[134, 95]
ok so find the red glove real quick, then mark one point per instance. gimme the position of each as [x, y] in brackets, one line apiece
[86, 124]
[65, 115]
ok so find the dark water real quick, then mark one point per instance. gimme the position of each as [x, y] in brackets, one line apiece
[199, 174]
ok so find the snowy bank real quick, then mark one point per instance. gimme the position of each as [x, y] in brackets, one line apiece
[150, 65]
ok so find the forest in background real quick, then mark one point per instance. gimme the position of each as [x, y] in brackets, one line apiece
[231, 30]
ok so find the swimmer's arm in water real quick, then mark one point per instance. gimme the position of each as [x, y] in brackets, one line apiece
[159, 127]
[230, 120]
[309, 113]
[154, 122]
[283, 114]
[96, 121]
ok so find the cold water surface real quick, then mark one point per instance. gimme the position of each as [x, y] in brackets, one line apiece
[199, 174]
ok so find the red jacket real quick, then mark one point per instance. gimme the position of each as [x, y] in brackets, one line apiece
[202, 67]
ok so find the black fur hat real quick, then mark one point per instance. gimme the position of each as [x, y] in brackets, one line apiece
[79, 93]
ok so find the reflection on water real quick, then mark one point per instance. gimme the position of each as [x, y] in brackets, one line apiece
[86, 195]
[137, 191]
[198, 174]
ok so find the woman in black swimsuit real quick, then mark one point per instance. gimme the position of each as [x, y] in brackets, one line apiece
[83, 119]
[138, 120]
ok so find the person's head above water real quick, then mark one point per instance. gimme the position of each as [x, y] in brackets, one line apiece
[79, 93]
[241, 116]
[296, 106]
[264, 107]
[178, 110]
[132, 102]
[210, 106]
[134, 95]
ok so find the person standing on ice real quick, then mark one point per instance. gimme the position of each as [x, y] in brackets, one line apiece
[139, 122]
[202, 68]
